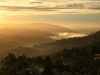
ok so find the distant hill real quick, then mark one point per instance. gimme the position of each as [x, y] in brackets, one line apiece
[12, 38]
[41, 26]
[25, 32]
[83, 52]
[47, 48]
[76, 41]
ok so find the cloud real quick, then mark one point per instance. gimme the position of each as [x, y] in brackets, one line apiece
[63, 1]
[2, 1]
[36, 2]
[52, 7]
[95, 6]
[69, 12]
[68, 35]
[19, 8]
[70, 6]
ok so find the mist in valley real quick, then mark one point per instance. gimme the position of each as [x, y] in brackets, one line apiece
[36, 48]
[49, 37]
[35, 39]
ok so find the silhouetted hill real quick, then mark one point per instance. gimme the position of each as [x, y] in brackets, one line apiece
[76, 41]
[50, 28]
[25, 32]
[41, 26]
[47, 48]
[12, 38]
[77, 61]
[83, 52]
[68, 43]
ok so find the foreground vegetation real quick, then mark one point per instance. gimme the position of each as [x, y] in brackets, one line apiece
[76, 61]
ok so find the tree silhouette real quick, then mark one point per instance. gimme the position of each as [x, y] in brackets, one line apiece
[47, 71]
[58, 64]
[47, 61]
[94, 50]
[39, 60]
[10, 60]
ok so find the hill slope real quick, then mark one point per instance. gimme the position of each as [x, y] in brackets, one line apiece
[76, 41]
[41, 26]
[12, 38]
[47, 48]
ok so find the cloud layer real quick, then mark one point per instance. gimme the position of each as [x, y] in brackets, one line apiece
[68, 35]
[51, 8]
[50, 11]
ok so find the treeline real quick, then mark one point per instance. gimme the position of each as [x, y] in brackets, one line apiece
[69, 55]
[23, 65]
[76, 61]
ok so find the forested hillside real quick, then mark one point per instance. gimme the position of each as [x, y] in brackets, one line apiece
[76, 61]
[47, 48]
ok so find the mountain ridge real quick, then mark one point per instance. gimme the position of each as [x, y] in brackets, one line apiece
[47, 48]
[41, 26]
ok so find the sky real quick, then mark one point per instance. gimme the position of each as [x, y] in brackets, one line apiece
[58, 12]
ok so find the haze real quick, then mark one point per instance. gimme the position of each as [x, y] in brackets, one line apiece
[57, 12]
[49, 37]
[35, 22]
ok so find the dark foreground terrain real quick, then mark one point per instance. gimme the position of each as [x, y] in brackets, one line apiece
[84, 60]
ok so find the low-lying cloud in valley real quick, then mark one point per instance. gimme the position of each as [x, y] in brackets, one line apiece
[67, 35]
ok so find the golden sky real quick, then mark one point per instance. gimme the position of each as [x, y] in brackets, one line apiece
[59, 12]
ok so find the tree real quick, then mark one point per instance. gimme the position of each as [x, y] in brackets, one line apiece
[10, 60]
[39, 60]
[67, 68]
[47, 61]
[94, 50]
[47, 71]
[25, 65]
[58, 64]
